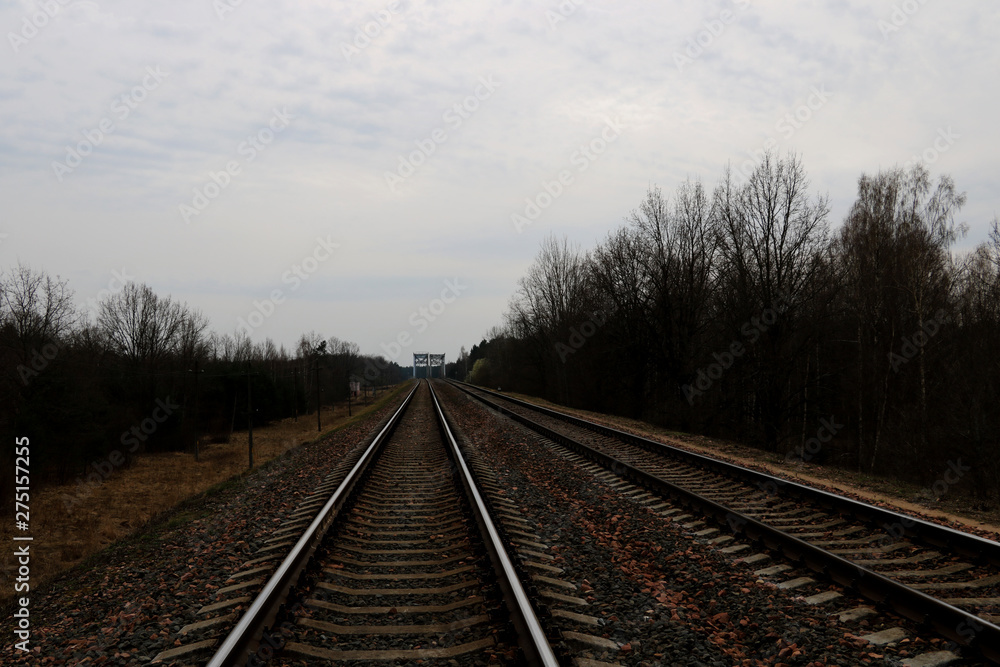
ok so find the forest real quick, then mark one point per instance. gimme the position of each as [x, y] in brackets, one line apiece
[742, 312]
[133, 371]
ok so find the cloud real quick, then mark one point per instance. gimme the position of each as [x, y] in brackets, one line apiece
[355, 117]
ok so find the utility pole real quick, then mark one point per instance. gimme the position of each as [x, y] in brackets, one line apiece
[305, 388]
[232, 422]
[197, 450]
[319, 423]
[295, 398]
[320, 350]
[249, 418]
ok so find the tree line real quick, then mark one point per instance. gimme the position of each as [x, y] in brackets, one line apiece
[138, 371]
[739, 312]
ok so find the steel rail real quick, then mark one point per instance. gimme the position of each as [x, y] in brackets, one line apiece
[964, 544]
[951, 622]
[531, 636]
[242, 640]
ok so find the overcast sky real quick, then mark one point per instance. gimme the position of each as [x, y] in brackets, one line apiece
[229, 152]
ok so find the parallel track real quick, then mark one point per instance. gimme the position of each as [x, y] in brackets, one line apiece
[929, 573]
[403, 563]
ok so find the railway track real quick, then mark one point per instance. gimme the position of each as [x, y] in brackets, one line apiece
[944, 579]
[402, 563]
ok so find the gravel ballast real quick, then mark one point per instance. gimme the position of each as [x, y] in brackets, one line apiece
[664, 595]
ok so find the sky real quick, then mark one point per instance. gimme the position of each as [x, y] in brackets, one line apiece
[384, 171]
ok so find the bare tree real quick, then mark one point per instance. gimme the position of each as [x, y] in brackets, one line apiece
[142, 326]
[552, 290]
[307, 344]
[677, 248]
[37, 308]
[192, 343]
[622, 292]
[550, 299]
[772, 235]
[895, 252]
[968, 414]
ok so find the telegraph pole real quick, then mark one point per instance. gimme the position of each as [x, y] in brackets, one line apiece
[249, 418]
[197, 452]
[320, 350]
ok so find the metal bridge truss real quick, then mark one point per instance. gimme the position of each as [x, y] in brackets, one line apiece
[429, 361]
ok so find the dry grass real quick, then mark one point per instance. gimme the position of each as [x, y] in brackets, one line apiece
[66, 533]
